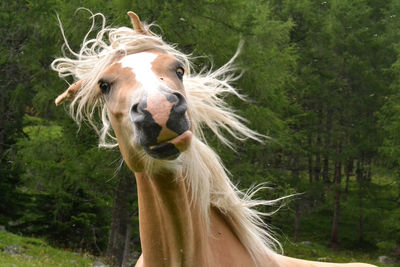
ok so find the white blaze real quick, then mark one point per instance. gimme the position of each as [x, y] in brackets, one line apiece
[141, 64]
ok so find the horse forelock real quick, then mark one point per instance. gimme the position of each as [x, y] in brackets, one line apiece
[201, 167]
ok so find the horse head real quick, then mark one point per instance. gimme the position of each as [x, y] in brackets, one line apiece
[146, 100]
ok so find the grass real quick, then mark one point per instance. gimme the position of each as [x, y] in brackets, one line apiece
[36, 252]
[317, 252]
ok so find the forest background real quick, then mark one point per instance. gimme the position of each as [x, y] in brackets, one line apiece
[322, 79]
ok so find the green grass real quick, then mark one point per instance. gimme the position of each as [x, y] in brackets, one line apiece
[317, 251]
[36, 252]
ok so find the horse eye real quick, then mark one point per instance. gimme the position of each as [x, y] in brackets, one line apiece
[179, 72]
[104, 87]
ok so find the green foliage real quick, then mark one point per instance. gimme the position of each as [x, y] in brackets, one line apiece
[64, 193]
[375, 204]
[36, 252]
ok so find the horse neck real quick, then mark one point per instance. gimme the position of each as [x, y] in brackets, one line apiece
[172, 232]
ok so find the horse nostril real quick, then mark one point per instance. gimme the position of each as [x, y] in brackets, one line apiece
[134, 108]
[180, 105]
[178, 95]
[138, 112]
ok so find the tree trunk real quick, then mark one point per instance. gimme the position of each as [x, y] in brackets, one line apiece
[397, 251]
[368, 172]
[325, 171]
[360, 215]
[310, 161]
[336, 209]
[317, 170]
[2, 141]
[328, 128]
[361, 177]
[127, 248]
[348, 173]
[359, 171]
[119, 239]
[295, 168]
[310, 169]
[296, 221]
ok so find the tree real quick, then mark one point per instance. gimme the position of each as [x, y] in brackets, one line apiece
[389, 114]
[341, 82]
[118, 247]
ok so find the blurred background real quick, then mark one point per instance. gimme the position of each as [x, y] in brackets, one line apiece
[322, 80]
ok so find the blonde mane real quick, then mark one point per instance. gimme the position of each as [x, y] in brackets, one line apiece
[200, 166]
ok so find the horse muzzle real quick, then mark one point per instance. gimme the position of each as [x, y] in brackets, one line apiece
[162, 126]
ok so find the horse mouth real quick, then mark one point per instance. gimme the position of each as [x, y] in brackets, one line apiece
[170, 149]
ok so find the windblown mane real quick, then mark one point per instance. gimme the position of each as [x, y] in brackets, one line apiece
[203, 170]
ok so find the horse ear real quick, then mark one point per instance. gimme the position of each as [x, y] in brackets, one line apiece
[70, 93]
[137, 24]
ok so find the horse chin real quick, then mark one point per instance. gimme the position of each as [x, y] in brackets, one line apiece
[170, 149]
[166, 151]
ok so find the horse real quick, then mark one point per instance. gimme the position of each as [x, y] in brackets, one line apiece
[154, 107]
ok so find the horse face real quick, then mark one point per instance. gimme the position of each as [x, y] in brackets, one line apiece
[146, 100]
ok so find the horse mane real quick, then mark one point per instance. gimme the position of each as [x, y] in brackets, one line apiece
[201, 167]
